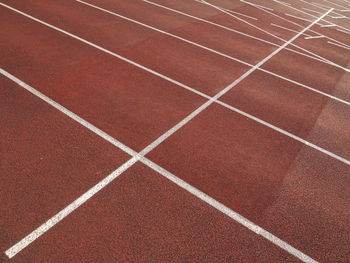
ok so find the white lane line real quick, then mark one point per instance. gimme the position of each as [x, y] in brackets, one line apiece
[336, 44]
[301, 11]
[172, 80]
[263, 7]
[213, 99]
[317, 7]
[288, 29]
[269, 33]
[273, 14]
[344, 31]
[298, 17]
[286, 3]
[102, 49]
[230, 213]
[341, 6]
[331, 25]
[313, 31]
[67, 112]
[215, 52]
[26, 241]
[313, 37]
[229, 87]
[310, 10]
[240, 14]
[233, 30]
[11, 252]
[234, 12]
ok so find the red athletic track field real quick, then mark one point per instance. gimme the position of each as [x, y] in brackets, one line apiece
[260, 173]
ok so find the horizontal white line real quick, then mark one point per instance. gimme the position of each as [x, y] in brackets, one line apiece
[330, 25]
[312, 37]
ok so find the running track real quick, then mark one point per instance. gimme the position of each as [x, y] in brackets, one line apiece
[175, 131]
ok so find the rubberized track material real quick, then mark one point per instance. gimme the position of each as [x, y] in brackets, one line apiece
[174, 131]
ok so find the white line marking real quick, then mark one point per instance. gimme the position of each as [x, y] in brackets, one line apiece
[11, 252]
[336, 44]
[103, 49]
[267, 32]
[15, 249]
[288, 29]
[82, 199]
[331, 25]
[67, 112]
[229, 212]
[231, 11]
[214, 99]
[310, 10]
[263, 7]
[313, 31]
[237, 13]
[341, 6]
[210, 50]
[298, 17]
[344, 31]
[172, 80]
[317, 7]
[312, 37]
[103, 183]
[325, 20]
[235, 31]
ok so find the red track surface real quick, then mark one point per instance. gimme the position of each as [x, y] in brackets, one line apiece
[286, 171]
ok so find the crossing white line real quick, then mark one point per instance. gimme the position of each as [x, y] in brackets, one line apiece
[288, 29]
[11, 252]
[211, 50]
[269, 33]
[233, 30]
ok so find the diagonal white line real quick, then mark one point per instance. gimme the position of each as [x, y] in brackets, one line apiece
[213, 51]
[269, 33]
[11, 252]
[235, 31]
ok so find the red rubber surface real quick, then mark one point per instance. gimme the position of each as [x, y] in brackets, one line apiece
[288, 188]
[129, 103]
[142, 217]
[47, 161]
[309, 115]
[295, 192]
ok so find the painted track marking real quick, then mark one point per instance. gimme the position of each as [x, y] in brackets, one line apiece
[210, 50]
[103, 183]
